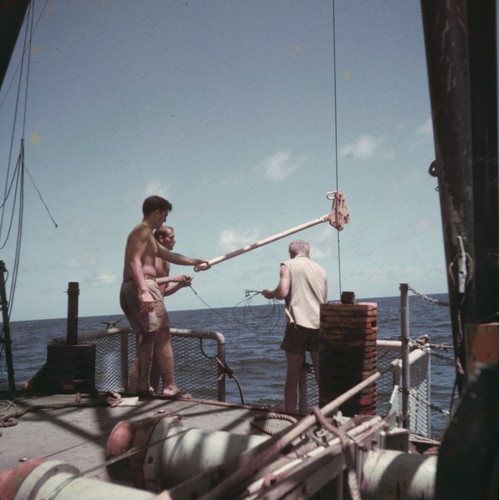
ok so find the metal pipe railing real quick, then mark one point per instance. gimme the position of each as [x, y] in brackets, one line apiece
[176, 332]
[404, 334]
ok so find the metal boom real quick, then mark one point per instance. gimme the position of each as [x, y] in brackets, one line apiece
[338, 217]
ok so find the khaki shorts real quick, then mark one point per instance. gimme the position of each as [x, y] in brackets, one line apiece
[299, 339]
[143, 322]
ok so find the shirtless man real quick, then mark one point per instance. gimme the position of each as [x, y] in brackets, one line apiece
[141, 298]
[168, 285]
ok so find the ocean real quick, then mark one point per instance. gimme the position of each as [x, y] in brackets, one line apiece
[253, 331]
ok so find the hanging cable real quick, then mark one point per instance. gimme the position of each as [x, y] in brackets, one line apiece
[32, 7]
[41, 199]
[14, 182]
[336, 140]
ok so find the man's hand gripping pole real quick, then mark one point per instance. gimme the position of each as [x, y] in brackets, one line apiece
[338, 217]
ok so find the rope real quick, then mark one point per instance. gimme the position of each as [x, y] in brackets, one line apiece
[274, 313]
[270, 416]
[248, 310]
[225, 369]
[10, 420]
[348, 452]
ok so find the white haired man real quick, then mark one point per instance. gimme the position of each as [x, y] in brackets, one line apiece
[303, 286]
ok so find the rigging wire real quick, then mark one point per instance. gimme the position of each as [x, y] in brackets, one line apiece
[41, 199]
[16, 179]
[14, 189]
[335, 106]
[275, 313]
[31, 6]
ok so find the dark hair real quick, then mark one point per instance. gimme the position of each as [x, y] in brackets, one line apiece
[153, 203]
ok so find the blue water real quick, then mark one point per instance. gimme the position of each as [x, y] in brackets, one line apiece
[253, 333]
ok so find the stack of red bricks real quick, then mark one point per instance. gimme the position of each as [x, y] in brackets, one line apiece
[348, 355]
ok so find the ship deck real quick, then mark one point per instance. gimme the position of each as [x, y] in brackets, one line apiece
[56, 427]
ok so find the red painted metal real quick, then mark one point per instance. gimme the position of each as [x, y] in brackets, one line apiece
[125, 436]
[11, 479]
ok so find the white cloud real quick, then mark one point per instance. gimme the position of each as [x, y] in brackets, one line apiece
[277, 167]
[81, 261]
[82, 228]
[105, 279]
[156, 187]
[362, 149]
[231, 240]
[320, 251]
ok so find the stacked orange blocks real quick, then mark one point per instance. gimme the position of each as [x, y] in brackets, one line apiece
[348, 355]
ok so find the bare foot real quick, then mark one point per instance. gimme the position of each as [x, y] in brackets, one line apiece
[145, 393]
[173, 392]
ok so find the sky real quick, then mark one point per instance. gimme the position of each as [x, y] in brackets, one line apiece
[244, 114]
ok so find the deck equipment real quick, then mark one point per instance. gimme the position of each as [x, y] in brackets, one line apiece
[338, 217]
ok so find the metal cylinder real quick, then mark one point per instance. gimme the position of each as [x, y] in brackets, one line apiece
[39, 480]
[388, 475]
[169, 453]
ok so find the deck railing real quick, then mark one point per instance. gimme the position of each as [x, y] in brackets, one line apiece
[200, 368]
[390, 388]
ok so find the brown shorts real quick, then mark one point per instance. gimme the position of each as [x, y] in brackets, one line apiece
[299, 339]
[143, 322]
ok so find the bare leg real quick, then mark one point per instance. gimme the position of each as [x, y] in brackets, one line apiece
[134, 376]
[145, 347]
[154, 376]
[163, 359]
[295, 364]
[315, 361]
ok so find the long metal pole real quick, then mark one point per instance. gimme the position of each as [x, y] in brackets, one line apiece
[268, 240]
[404, 333]
[6, 328]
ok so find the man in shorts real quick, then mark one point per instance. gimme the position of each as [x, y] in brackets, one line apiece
[303, 286]
[168, 285]
[142, 301]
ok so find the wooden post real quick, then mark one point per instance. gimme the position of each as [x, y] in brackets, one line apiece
[72, 329]
[6, 328]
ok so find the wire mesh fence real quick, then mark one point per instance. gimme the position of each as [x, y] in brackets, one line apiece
[205, 352]
[202, 350]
